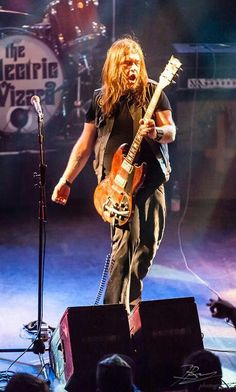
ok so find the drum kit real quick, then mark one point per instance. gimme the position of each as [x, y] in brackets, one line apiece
[44, 59]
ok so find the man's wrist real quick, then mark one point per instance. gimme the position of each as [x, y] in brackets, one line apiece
[64, 181]
[230, 311]
[159, 134]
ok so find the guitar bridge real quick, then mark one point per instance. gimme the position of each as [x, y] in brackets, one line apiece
[119, 212]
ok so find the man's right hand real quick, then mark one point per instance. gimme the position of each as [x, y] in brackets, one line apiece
[220, 308]
[61, 193]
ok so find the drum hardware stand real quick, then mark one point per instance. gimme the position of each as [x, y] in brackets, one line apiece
[113, 38]
[82, 67]
[78, 97]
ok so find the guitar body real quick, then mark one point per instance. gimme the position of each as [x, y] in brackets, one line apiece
[114, 196]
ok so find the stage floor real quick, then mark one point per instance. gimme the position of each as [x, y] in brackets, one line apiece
[77, 245]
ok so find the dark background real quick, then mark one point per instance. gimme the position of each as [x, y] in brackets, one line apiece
[158, 24]
[200, 238]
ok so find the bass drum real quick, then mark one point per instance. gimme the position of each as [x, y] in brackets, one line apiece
[28, 66]
[74, 23]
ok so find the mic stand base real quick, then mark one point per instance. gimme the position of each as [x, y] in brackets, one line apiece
[38, 346]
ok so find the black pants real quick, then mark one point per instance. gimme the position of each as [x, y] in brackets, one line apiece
[134, 247]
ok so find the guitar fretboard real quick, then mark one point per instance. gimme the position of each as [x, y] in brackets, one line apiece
[138, 137]
[166, 77]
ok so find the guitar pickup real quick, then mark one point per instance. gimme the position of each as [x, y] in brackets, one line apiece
[120, 181]
[127, 166]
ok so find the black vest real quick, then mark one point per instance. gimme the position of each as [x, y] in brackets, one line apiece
[104, 127]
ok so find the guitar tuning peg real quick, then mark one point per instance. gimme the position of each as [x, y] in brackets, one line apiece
[173, 81]
[181, 69]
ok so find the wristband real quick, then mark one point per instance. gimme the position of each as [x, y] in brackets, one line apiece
[66, 182]
[160, 133]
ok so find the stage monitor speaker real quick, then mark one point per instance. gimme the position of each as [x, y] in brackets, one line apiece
[86, 334]
[164, 332]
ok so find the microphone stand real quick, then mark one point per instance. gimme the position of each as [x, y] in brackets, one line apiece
[38, 344]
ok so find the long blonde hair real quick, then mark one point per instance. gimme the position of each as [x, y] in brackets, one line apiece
[113, 83]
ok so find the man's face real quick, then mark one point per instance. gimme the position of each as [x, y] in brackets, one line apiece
[130, 68]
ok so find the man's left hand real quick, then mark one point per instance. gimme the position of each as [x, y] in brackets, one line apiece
[148, 128]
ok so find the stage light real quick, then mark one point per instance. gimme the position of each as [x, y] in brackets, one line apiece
[80, 4]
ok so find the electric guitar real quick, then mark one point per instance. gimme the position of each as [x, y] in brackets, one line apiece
[114, 196]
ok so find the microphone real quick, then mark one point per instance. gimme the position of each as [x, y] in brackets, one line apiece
[35, 101]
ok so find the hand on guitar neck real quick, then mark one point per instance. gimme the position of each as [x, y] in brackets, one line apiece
[148, 128]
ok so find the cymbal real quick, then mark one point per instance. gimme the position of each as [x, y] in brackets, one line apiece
[13, 12]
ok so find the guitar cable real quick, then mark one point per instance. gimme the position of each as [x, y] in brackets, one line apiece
[103, 279]
[107, 266]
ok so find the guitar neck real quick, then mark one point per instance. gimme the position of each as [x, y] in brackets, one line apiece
[165, 79]
[138, 137]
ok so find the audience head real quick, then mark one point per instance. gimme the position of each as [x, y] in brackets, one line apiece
[114, 373]
[202, 372]
[22, 382]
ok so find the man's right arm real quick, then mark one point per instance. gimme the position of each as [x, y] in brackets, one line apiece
[77, 160]
[222, 309]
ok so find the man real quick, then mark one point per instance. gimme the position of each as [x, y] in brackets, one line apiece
[21, 382]
[113, 119]
[202, 372]
[115, 373]
[222, 309]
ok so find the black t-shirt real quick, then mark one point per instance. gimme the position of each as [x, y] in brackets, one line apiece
[122, 132]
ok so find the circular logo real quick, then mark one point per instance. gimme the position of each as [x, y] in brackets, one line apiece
[27, 67]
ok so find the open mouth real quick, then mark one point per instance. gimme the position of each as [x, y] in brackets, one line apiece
[132, 78]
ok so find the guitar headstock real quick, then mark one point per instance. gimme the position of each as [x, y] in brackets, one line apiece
[169, 72]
